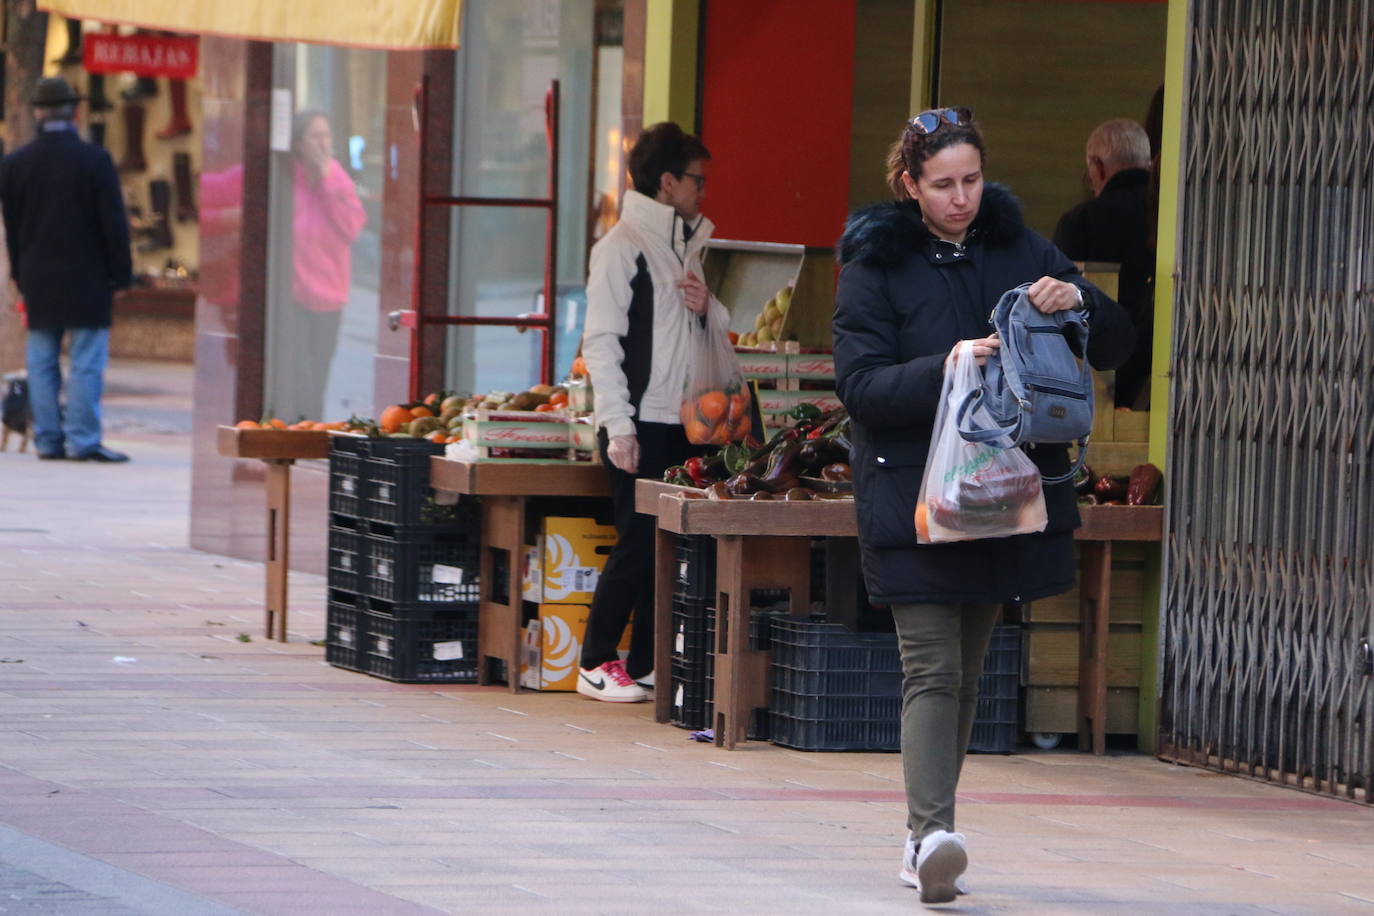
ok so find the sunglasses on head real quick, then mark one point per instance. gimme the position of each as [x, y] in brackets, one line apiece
[928, 122]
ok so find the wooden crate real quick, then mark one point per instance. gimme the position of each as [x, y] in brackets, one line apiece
[551, 433]
[233, 442]
[1128, 591]
[1052, 656]
[1055, 709]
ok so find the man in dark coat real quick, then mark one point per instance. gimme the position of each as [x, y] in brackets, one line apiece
[68, 239]
[1115, 227]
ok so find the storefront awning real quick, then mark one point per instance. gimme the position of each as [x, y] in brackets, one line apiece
[398, 24]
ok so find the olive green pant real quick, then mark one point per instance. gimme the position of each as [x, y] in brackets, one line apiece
[942, 648]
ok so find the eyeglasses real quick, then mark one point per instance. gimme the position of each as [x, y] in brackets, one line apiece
[928, 122]
[699, 179]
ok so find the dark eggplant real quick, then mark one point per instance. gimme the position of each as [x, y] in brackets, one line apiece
[799, 493]
[837, 471]
[743, 484]
[1109, 488]
[760, 495]
[1143, 487]
[718, 490]
[783, 466]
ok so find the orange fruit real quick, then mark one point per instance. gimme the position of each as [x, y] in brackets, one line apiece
[438, 437]
[432, 399]
[558, 399]
[712, 406]
[421, 411]
[274, 423]
[579, 368]
[698, 432]
[544, 408]
[734, 338]
[392, 418]
[739, 405]
[742, 427]
[720, 434]
[246, 424]
[923, 523]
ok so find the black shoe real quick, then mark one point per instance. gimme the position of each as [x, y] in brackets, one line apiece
[51, 456]
[102, 454]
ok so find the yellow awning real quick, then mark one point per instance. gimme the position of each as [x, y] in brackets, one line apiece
[398, 24]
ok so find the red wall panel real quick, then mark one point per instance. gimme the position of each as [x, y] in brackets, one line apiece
[777, 87]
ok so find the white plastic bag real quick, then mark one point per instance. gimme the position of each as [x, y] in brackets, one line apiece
[974, 490]
[715, 403]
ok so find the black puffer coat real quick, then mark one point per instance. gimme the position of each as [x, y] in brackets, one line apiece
[905, 298]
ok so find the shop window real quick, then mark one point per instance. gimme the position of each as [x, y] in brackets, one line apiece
[324, 253]
[512, 51]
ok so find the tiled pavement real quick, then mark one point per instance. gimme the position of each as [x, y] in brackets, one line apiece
[151, 762]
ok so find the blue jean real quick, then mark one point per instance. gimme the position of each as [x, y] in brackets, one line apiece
[79, 425]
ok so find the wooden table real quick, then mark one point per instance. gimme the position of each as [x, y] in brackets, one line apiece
[505, 490]
[766, 544]
[278, 449]
[758, 545]
[1101, 526]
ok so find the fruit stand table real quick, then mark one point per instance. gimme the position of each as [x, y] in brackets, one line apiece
[278, 449]
[765, 545]
[505, 489]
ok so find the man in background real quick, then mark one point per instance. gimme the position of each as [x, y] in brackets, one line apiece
[68, 239]
[1115, 226]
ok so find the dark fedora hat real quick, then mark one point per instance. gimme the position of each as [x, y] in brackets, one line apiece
[53, 91]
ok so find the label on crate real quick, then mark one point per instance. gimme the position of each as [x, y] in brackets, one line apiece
[383, 493]
[348, 485]
[582, 436]
[679, 697]
[501, 434]
[346, 562]
[381, 569]
[680, 643]
[344, 636]
[448, 651]
[448, 575]
[382, 646]
[775, 402]
[762, 365]
[811, 366]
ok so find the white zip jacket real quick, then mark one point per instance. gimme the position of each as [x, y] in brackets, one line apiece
[635, 342]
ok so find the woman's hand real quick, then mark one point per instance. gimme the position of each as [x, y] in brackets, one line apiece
[694, 293]
[983, 347]
[1049, 295]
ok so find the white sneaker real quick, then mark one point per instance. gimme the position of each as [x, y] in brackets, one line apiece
[647, 682]
[941, 863]
[610, 683]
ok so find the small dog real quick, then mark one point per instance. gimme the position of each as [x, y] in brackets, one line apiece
[14, 411]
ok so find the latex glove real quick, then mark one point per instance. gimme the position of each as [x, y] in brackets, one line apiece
[624, 453]
[1049, 295]
[694, 294]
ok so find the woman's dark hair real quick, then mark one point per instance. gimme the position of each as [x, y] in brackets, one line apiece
[664, 147]
[300, 123]
[913, 148]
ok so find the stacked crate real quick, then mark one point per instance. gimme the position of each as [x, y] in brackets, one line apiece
[694, 619]
[838, 690]
[402, 568]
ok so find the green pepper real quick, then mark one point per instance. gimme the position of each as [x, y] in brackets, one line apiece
[804, 411]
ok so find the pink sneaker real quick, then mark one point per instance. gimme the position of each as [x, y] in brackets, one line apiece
[609, 683]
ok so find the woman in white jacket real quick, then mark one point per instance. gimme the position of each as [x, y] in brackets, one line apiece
[644, 287]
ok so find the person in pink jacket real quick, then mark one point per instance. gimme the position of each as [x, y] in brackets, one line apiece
[326, 217]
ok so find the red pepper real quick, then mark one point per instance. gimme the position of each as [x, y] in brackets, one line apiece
[696, 468]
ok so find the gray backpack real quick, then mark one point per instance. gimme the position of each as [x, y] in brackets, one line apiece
[1038, 386]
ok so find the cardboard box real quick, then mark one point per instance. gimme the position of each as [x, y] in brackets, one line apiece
[551, 647]
[565, 563]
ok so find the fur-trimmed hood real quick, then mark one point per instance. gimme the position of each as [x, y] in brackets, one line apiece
[884, 234]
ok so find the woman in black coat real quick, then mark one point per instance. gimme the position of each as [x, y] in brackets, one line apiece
[919, 276]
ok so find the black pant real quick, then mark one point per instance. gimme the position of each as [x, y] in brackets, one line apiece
[627, 582]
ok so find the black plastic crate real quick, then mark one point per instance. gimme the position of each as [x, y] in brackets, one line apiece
[996, 723]
[814, 658]
[401, 564]
[761, 628]
[442, 649]
[835, 734]
[694, 574]
[693, 628]
[346, 483]
[348, 444]
[393, 448]
[689, 696]
[347, 559]
[344, 633]
[398, 492]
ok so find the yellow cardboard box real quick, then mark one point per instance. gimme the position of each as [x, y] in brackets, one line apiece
[566, 561]
[551, 646]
